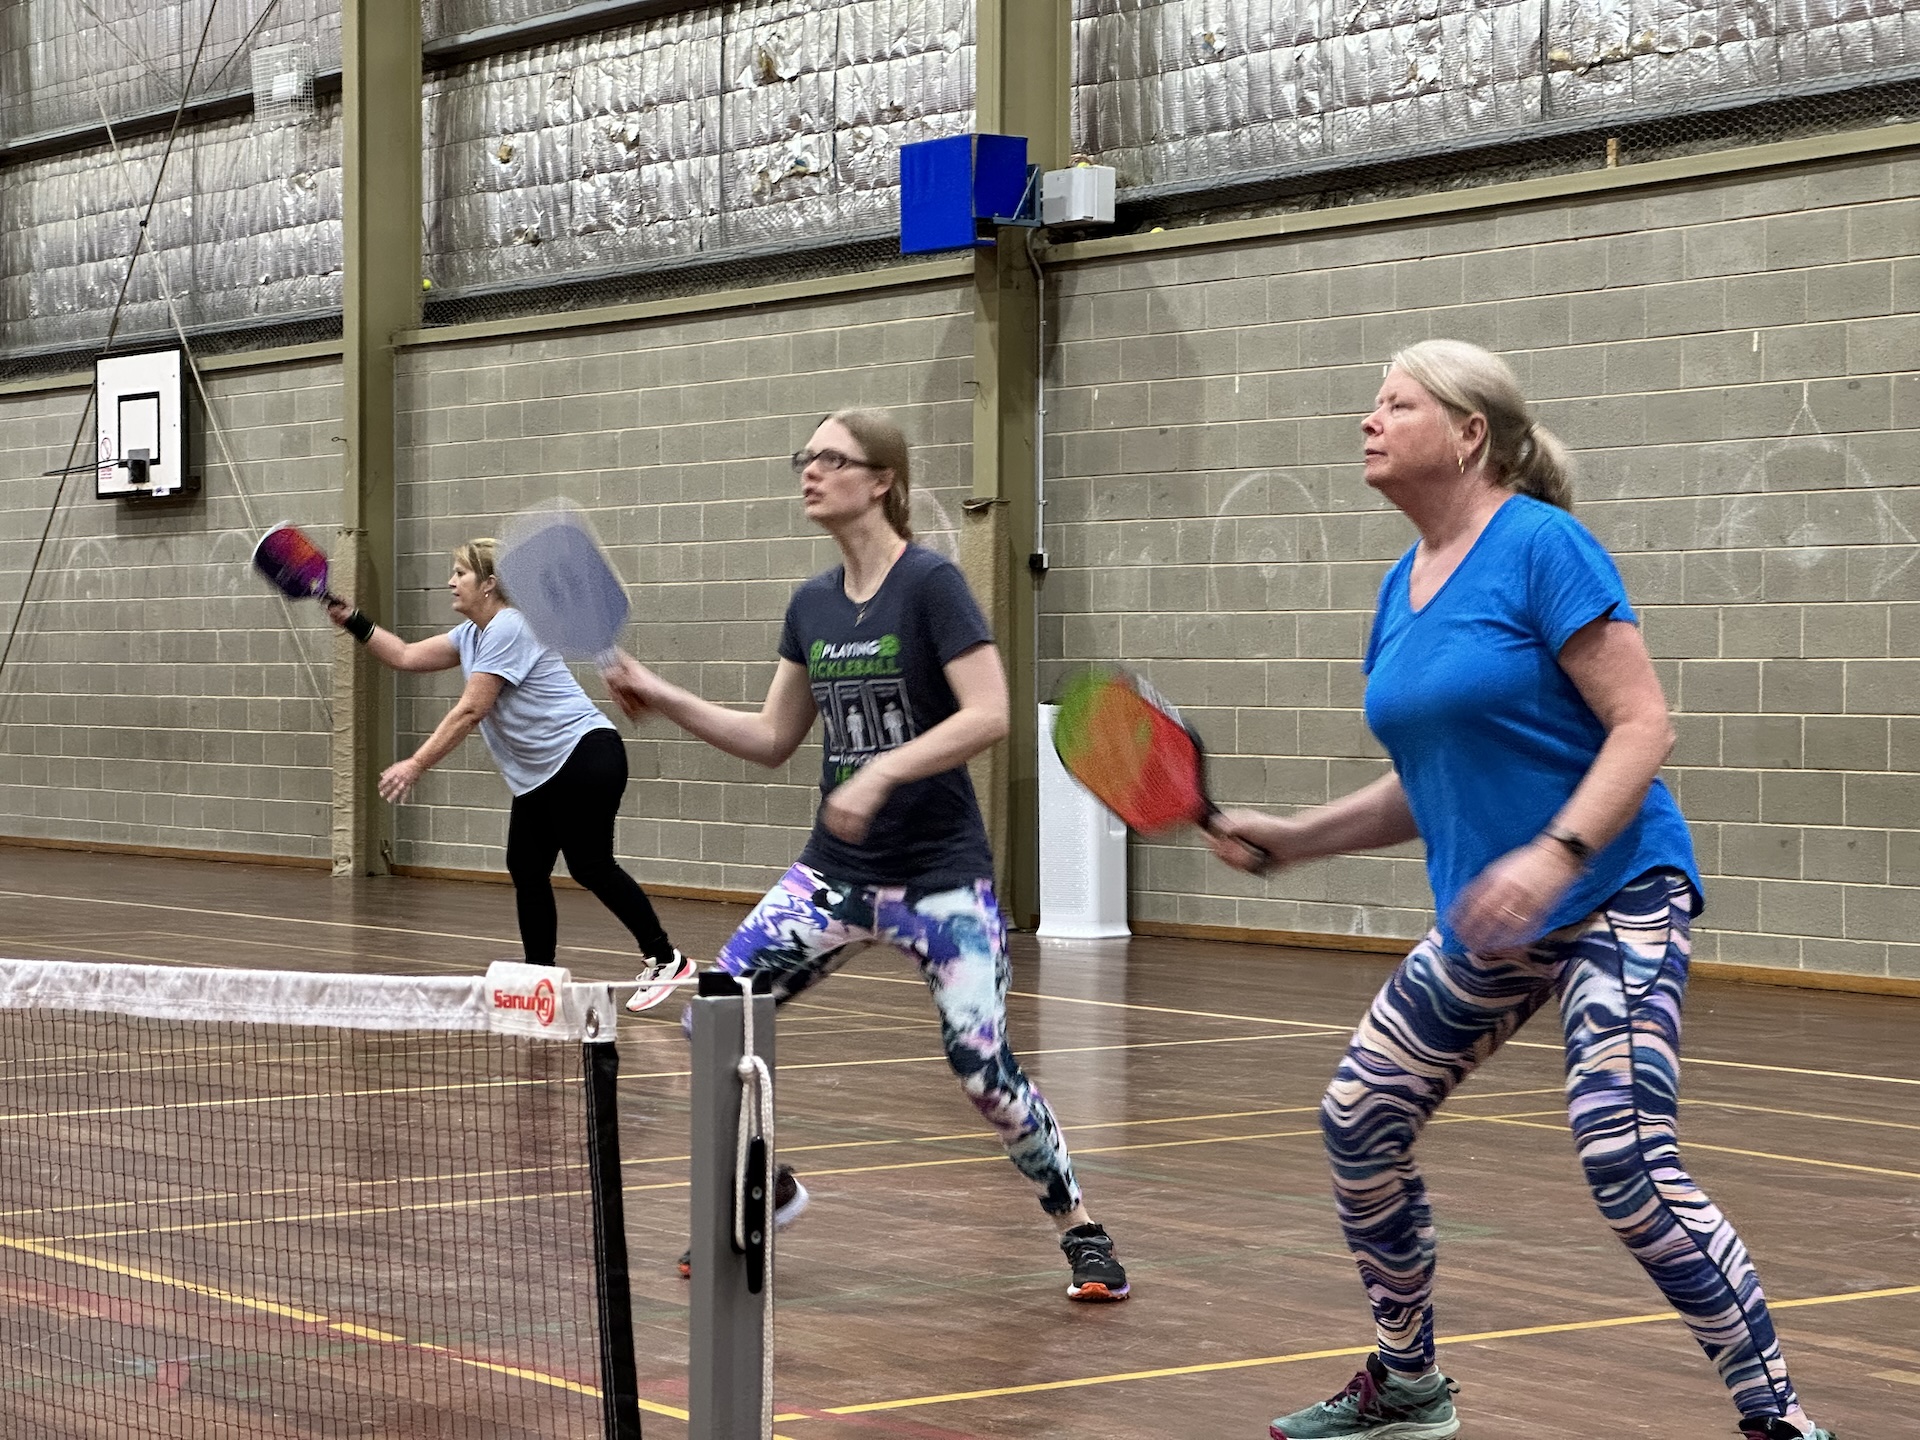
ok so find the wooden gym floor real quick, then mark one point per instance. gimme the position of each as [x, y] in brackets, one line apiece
[923, 1296]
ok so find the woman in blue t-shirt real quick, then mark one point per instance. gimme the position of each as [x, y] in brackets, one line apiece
[561, 758]
[889, 649]
[1510, 685]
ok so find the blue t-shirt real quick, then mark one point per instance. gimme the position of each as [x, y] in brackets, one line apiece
[878, 673]
[1489, 735]
[542, 712]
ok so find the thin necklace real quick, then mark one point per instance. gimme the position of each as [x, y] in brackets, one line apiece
[860, 606]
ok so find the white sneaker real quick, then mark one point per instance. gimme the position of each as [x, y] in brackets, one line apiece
[657, 981]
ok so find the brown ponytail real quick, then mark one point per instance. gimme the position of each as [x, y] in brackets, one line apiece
[886, 450]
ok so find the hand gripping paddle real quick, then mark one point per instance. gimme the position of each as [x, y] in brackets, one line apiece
[557, 576]
[1120, 739]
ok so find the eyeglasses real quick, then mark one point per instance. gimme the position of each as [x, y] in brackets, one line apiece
[829, 460]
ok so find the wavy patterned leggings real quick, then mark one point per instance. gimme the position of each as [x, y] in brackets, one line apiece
[1619, 978]
[808, 924]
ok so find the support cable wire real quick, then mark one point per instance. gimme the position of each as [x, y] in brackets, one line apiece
[226, 449]
[756, 1123]
[246, 43]
[113, 328]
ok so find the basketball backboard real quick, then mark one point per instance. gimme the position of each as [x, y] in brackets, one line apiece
[142, 432]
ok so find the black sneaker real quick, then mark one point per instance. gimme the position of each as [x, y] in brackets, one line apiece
[790, 1197]
[1096, 1274]
[790, 1201]
[1772, 1427]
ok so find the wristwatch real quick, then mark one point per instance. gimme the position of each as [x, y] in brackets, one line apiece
[1576, 847]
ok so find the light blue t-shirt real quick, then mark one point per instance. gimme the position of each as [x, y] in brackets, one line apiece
[542, 712]
[1489, 735]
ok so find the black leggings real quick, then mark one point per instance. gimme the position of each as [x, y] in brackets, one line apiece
[573, 814]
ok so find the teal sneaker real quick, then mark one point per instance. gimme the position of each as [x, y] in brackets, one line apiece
[1377, 1405]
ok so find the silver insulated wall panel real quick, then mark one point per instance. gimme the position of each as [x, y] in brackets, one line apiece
[246, 224]
[724, 129]
[716, 129]
[246, 230]
[66, 64]
[1171, 92]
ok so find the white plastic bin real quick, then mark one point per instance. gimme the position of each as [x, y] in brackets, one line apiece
[1083, 854]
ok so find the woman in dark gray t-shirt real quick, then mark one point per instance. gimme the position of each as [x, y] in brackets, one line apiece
[891, 652]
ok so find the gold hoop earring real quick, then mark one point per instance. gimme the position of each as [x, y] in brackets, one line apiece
[1461, 461]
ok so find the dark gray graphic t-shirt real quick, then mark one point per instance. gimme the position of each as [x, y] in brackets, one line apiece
[879, 679]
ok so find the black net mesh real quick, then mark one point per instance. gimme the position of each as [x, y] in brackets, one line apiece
[214, 1228]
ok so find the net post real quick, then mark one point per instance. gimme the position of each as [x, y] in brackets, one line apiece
[619, 1379]
[727, 1336]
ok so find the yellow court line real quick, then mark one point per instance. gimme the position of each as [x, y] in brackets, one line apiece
[1519, 1120]
[999, 1155]
[1216, 1366]
[309, 1317]
[308, 1217]
[250, 1100]
[1527, 1124]
[206, 1197]
[646, 1160]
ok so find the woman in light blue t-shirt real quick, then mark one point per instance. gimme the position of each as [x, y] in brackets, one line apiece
[561, 758]
[1510, 685]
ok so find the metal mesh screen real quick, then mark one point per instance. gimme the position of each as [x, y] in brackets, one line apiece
[1203, 98]
[704, 145]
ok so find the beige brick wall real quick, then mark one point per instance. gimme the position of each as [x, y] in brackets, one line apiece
[1734, 361]
[674, 437]
[1735, 364]
[156, 695]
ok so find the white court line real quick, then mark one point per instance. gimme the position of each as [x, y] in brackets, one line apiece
[890, 980]
[1348, 1029]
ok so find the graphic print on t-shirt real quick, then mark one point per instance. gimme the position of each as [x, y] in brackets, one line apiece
[862, 696]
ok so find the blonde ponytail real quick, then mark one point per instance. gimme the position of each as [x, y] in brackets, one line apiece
[1522, 454]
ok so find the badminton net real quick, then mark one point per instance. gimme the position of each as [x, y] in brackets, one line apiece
[264, 1203]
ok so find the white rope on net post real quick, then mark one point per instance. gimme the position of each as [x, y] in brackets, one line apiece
[756, 1122]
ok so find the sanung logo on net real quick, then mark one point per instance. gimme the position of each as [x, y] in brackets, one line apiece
[540, 1002]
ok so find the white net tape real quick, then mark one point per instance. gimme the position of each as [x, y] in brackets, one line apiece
[538, 1002]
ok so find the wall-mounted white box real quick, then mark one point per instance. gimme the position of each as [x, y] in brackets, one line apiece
[1082, 195]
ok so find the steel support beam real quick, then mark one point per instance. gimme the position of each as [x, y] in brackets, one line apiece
[1024, 88]
[380, 63]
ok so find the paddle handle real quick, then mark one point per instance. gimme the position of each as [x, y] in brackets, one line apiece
[1210, 822]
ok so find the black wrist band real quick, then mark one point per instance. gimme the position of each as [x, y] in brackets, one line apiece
[1576, 847]
[358, 626]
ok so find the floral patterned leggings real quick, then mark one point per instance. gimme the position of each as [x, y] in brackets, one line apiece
[804, 928]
